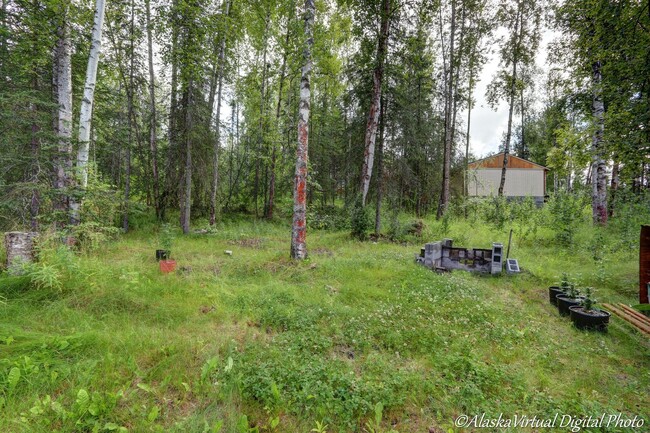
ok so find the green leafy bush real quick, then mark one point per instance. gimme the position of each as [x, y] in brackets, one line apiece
[565, 214]
[359, 221]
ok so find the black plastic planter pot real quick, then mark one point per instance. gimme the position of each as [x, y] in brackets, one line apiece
[564, 302]
[593, 320]
[162, 254]
[553, 291]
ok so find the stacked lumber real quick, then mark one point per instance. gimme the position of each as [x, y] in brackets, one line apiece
[630, 315]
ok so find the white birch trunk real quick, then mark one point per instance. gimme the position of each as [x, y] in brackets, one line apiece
[299, 226]
[63, 126]
[87, 106]
[375, 104]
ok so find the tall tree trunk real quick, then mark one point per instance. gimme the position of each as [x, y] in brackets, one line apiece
[130, 90]
[614, 186]
[375, 104]
[260, 143]
[513, 90]
[4, 54]
[271, 202]
[448, 147]
[599, 169]
[35, 204]
[153, 122]
[87, 107]
[63, 126]
[186, 202]
[523, 153]
[380, 168]
[171, 185]
[299, 226]
[467, 136]
[217, 138]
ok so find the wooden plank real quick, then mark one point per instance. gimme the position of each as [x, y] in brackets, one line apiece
[645, 329]
[635, 313]
[644, 264]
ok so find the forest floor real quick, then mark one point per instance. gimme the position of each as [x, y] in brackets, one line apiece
[358, 337]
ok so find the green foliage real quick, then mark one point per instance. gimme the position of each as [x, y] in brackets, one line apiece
[166, 237]
[55, 268]
[565, 214]
[495, 211]
[360, 222]
[573, 292]
[90, 235]
[589, 301]
[328, 218]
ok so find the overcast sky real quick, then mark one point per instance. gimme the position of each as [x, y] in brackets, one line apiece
[488, 125]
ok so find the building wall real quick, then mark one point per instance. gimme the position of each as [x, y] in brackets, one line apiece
[519, 182]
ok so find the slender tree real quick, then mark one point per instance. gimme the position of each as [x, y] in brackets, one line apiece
[375, 103]
[217, 138]
[299, 226]
[87, 107]
[153, 121]
[598, 168]
[62, 80]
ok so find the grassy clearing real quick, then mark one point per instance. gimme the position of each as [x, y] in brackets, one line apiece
[256, 342]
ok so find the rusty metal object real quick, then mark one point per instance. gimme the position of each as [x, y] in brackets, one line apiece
[644, 264]
[636, 319]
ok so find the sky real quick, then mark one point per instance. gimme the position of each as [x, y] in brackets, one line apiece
[488, 125]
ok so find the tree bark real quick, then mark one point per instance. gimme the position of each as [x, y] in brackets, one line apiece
[448, 147]
[260, 143]
[186, 203]
[599, 169]
[614, 186]
[63, 126]
[87, 107]
[217, 138]
[380, 168]
[283, 68]
[467, 136]
[375, 104]
[130, 90]
[299, 226]
[513, 89]
[153, 122]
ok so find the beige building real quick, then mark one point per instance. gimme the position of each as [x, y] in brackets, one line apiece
[523, 178]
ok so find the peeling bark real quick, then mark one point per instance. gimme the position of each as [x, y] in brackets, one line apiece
[375, 104]
[62, 82]
[299, 226]
[87, 107]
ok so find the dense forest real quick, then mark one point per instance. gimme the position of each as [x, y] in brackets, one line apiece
[188, 110]
[158, 156]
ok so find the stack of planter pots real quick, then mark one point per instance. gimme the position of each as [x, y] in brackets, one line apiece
[582, 318]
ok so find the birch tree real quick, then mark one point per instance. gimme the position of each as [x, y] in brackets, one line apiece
[299, 226]
[87, 107]
[153, 121]
[62, 81]
[375, 103]
[216, 144]
[518, 48]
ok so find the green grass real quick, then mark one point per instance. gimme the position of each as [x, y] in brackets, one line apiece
[256, 341]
